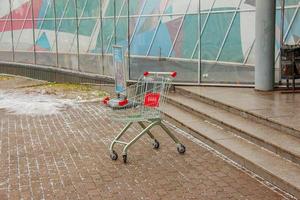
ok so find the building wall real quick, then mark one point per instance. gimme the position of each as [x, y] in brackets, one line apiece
[204, 40]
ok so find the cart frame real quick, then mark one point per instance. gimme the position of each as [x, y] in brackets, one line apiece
[151, 87]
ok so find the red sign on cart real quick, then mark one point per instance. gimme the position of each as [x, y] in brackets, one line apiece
[152, 99]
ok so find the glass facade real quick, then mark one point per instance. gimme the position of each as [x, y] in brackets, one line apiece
[205, 41]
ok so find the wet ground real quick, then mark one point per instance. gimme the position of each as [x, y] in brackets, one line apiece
[281, 107]
[54, 145]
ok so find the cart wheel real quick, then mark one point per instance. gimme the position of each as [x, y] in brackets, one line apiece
[155, 144]
[125, 158]
[181, 149]
[113, 155]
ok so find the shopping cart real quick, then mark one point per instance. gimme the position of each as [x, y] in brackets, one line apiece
[145, 100]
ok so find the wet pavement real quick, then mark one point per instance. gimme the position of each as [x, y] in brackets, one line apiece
[64, 155]
[280, 107]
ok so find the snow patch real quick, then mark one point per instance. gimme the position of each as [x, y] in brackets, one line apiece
[33, 103]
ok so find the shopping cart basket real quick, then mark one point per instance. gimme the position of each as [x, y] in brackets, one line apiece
[146, 98]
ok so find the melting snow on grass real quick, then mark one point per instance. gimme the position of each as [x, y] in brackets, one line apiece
[33, 103]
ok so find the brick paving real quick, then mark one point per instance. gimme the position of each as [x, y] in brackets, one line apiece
[65, 156]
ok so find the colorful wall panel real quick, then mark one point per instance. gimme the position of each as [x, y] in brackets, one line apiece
[205, 40]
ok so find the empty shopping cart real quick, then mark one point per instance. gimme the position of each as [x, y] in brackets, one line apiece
[145, 100]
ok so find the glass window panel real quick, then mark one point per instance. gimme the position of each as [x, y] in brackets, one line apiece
[67, 45]
[5, 24]
[133, 23]
[215, 72]
[97, 37]
[203, 18]
[245, 4]
[71, 9]
[194, 6]
[21, 9]
[43, 9]
[187, 38]
[5, 40]
[108, 29]
[124, 11]
[23, 38]
[23, 41]
[177, 6]
[187, 70]
[5, 9]
[45, 43]
[206, 5]
[288, 16]
[86, 28]
[154, 7]
[45, 35]
[143, 35]
[121, 29]
[238, 42]
[292, 2]
[247, 20]
[196, 53]
[91, 63]
[88, 8]
[294, 33]
[47, 24]
[165, 36]
[122, 32]
[109, 7]
[90, 54]
[65, 36]
[119, 6]
[226, 5]
[251, 57]
[61, 6]
[213, 34]
[136, 6]
[67, 25]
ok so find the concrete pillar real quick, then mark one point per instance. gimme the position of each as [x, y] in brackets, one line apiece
[265, 45]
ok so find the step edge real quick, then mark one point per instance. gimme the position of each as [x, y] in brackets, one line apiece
[275, 148]
[243, 113]
[243, 161]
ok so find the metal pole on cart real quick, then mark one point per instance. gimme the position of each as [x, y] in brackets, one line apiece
[119, 70]
[151, 90]
[120, 79]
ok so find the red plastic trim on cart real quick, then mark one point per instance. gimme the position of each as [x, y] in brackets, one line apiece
[174, 74]
[105, 100]
[152, 99]
[123, 103]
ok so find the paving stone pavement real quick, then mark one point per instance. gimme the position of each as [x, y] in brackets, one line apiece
[65, 156]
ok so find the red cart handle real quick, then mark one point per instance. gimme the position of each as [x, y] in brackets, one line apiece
[123, 103]
[173, 74]
[105, 100]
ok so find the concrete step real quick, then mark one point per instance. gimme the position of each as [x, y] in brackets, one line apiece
[273, 168]
[269, 138]
[197, 94]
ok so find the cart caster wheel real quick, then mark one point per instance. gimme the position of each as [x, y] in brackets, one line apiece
[114, 155]
[125, 158]
[181, 149]
[155, 144]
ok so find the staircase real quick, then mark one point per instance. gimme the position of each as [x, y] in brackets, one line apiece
[266, 148]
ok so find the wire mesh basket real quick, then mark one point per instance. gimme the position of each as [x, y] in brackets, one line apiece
[144, 99]
[143, 105]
